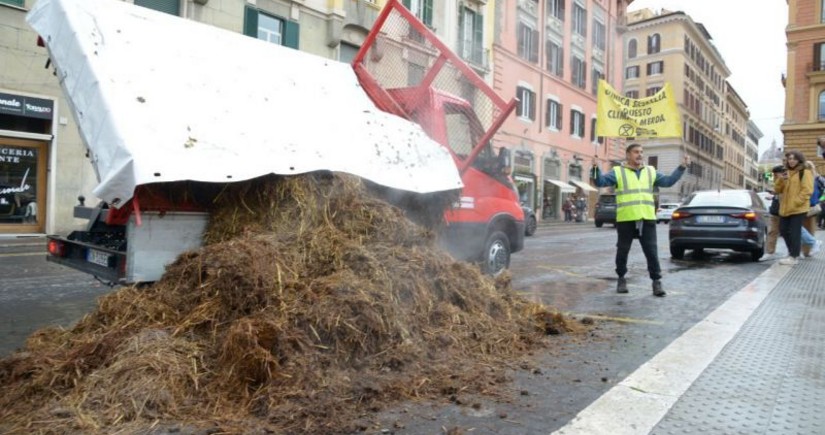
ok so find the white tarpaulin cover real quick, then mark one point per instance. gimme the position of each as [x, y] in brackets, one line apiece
[159, 98]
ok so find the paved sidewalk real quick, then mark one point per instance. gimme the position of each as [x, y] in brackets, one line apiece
[754, 366]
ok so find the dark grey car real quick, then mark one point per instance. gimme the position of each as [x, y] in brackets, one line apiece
[605, 210]
[720, 219]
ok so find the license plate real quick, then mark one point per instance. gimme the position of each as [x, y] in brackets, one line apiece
[98, 257]
[710, 219]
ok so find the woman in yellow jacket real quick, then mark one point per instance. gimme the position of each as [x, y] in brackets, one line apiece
[796, 186]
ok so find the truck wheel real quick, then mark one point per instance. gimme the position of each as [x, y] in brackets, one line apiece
[530, 226]
[599, 224]
[496, 255]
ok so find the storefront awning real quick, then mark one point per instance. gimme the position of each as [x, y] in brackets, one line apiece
[584, 186]
[565, 188]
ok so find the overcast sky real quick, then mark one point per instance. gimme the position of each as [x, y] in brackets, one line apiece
[750, 35]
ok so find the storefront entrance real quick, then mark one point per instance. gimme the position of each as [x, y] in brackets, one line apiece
[22, 185]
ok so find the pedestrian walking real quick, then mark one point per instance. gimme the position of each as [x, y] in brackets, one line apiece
[636, 212]
[567, 208]
[773, 222]
[796, 186]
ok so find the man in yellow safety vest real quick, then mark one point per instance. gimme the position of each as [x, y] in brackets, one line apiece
[636, 210]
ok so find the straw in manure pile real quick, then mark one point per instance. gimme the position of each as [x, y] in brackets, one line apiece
[311, 304]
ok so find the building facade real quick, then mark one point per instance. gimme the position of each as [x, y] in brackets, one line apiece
[804, 125]
[669, 47]
[736, 117]
[550, 55]
[753, 176]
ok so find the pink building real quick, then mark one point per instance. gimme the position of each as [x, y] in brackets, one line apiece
[550, 55]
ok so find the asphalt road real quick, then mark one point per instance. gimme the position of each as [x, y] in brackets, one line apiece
[567, 267]
[571, 268]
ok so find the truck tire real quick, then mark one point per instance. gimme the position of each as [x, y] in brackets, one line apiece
[496, 255]
[530, 225]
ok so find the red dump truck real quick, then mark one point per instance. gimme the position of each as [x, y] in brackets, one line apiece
[162, 102]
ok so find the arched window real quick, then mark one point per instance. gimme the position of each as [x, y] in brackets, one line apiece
[822, 106]
[631, 49]
[654, 43]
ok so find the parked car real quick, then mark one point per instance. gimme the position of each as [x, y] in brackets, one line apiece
[665, 210]
[719, 219]
[530, 222]
[605, 210]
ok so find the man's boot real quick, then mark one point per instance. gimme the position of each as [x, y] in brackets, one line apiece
[657, 288]
[621, 286]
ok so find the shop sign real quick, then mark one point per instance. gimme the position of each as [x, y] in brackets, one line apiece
[29, 107]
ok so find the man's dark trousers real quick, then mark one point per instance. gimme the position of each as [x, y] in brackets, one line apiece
[627, 232]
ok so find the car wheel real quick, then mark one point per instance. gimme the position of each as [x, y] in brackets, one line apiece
[599, 224]
[677, 253]
[756, 254]
[496, 256]
[530, 226]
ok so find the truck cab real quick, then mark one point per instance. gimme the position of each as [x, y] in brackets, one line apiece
[459, 110]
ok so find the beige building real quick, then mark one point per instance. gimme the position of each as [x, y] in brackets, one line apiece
[736, 125]
[43, 162]
[669, 47]
[804, 125]
[754, 177]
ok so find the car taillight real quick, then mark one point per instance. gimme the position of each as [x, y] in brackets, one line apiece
[748, 216]
[680, 215]
[56, 248]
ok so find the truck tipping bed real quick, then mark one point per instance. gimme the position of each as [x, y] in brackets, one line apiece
[158, 98]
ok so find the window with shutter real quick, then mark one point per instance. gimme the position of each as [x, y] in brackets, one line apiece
[526, 107]
[471, 34]
[579, 19]
[270, 28]
[171, 7]
[423, 9]
[631, 49]
[819, 56]
[654, 43]
[14, 2]
[822, 106]
[555, 8]
[553, 115]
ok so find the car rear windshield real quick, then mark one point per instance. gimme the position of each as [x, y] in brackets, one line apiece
[720, 198]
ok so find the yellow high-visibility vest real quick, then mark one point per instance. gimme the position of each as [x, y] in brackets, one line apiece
[634, 195]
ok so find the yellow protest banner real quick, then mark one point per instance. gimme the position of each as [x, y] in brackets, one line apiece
[620, 116]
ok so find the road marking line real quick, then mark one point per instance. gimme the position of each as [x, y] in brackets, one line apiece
[566, 272]
[23, 254]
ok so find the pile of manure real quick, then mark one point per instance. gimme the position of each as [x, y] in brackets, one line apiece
[311, 305]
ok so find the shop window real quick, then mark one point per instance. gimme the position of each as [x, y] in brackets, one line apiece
[21, 175]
